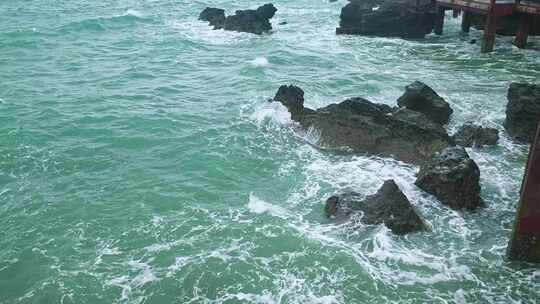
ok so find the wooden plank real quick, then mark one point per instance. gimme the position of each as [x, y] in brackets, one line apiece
[523, 33]
[528, 8]
[466, 22]
[525, 242]
[439, 20]
[488, 40]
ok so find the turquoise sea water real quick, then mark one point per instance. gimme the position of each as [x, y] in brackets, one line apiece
[141, 163]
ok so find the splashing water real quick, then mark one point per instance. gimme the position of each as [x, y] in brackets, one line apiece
[140, 161]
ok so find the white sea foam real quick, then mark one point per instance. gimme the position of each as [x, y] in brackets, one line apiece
[258, 206]
[260, 62]
[273, 112]
[134, 13]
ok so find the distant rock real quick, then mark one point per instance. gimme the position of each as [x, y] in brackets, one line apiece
[215, 16]
[403, 18]
[453, 178]
[249, 21]
[389, 206]
[470, 135]
[366, 127]
[522, 111]
[421, 98]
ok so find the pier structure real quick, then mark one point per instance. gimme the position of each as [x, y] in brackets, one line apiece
[492, 9]
[525, 241]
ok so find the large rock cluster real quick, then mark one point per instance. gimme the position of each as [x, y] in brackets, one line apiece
[366, 127]
[411, 132]
[250, 21]
[391, 18]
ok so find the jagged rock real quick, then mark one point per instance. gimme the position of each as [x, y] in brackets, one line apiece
[470, 135]
[292, 97]
[421, 98]
[215, 16]
[522, 111]
[366, 127]
[389, 206]
[453, 178]
[404, 18]
[251, 21]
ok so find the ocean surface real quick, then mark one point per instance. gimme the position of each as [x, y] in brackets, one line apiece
[140, 161]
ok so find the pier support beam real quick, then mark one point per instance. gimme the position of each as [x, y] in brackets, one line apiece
[439, 20]
[488, 41]
[523, 33]
[525, 242]
[466, 21]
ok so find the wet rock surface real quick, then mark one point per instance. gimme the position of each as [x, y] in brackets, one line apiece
[366, 127]
[215, 16]
[470, 135]
[421, 98]
[389, 206]
[453, 177]
[522, 111]
[403, 18]
[250, 21]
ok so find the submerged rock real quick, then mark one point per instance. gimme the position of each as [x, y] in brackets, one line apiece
[389, 206]
[522, 111]
[404, 18]
[470, 135]
[366, 127]
[215, 16]
[421, 98]
[249, 21]
[453, 178]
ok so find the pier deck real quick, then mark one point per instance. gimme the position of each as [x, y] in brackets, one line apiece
[492, 9]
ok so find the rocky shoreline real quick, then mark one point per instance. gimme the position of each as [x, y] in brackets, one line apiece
[412, 131]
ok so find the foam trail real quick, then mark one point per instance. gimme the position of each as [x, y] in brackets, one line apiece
[258, 206]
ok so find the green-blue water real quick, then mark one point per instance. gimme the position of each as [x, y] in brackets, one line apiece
[140, 162]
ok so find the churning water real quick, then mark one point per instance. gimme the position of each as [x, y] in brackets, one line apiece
[141, 163]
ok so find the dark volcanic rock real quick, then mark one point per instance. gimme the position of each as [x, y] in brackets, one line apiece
[470, 135]
[522, 111]
[215, 16]
[389, 206]
[366, 127]
[404, 18]
[251, 21]
[421, 98]
[292, 97]
[453, 178]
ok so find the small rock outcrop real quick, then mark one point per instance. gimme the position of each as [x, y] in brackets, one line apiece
[470, 135]
[453, 178]
[250, 21]
[389, 206]
[292, 97]
[522, 111]
[421, 98]
[366, 127]
[215, 16]
[403, 18]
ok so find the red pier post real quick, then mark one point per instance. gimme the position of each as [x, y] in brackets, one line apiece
[525, 242]
[523, 33]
